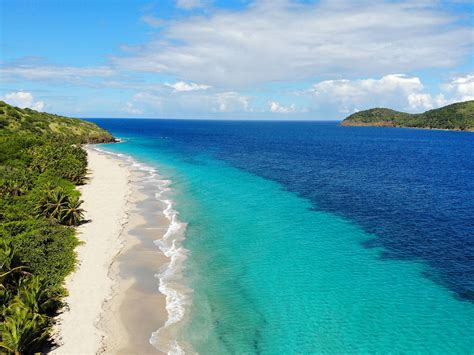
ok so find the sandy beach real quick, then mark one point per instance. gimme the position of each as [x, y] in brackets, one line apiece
[136, 308]
[114, 303]
[105, 201]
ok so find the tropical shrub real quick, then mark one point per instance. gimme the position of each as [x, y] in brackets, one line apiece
[41, 162]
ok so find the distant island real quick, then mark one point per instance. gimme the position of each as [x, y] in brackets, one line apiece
[458, 116]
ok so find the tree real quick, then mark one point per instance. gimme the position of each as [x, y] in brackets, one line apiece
[53, 204]
[72, 214]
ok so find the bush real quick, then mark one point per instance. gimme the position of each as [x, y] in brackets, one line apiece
[40, 166]
[36, 253]
[62, 160]
[47, 250]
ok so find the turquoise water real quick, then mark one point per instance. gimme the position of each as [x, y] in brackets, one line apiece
[271, 273]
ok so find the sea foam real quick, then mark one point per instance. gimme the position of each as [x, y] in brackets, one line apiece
[178, 296]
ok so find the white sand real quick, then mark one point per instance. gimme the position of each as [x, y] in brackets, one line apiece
[105, 201]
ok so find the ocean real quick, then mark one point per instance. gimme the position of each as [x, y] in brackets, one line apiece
[308, 237]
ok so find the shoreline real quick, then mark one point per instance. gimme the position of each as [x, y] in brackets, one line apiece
[122, 295]
[384, 124]
[105, 198]
[148, 301]
[136, 307]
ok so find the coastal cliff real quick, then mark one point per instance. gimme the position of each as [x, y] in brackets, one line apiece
[458, 116]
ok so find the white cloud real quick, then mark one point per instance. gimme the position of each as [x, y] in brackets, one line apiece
[290, 41]
[151, 100]
[461, 87]
[231, 102]
[152, 21]
[423, 102]
[396, 91]
[23, 99]
[190, 4]
[275, 107]
[130, 108]
[51, 72]
[190, 103]
[389, 91]
[457, 89]
[38, 106]
[352, 89]
[184, 86]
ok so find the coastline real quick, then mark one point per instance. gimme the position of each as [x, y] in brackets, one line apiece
[148, 300]
[125, 295]
[386, 124]
[105, 201]
[135, 307]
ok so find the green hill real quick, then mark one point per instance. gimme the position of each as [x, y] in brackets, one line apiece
[41, 163]
[16, 120]
[458, 116]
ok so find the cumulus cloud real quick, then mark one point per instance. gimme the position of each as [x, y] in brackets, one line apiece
[289, 41]
[462, 88]
[231, 102]
[184, 86]
[426, 101]
[23, 99]
[212, 58]
[457, 89]
[390, 90]
[275, 107]
[394, 90]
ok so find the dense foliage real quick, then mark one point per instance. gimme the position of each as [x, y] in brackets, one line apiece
[16, 120]
[458, 116]
[41, 161]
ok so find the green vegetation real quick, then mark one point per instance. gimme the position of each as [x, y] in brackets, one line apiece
[41, 162]
[14, 120]
[458, 116]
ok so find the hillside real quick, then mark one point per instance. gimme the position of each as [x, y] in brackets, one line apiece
[41, 163]
[17, 120]
[458, 116]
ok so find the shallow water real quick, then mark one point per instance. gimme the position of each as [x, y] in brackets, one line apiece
[307, 237]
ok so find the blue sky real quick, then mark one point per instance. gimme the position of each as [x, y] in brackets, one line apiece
[265, 59]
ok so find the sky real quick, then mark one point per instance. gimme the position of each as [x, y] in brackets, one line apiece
[235, 59]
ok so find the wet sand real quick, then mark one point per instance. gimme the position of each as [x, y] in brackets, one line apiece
[114, 304]
[137, 308]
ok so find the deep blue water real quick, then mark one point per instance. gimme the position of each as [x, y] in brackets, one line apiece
[412, 189]
[304, 237]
